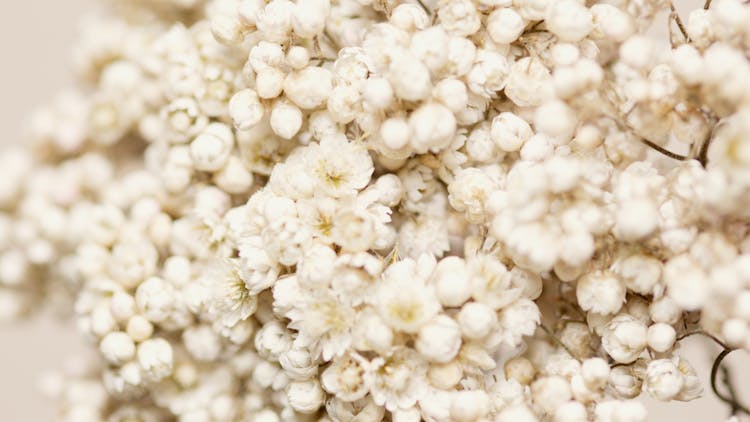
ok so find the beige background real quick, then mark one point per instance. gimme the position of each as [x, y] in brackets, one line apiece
[34, 40]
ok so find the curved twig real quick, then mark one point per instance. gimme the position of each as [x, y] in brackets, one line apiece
[731, 401]
[664, 151]
[705, 334]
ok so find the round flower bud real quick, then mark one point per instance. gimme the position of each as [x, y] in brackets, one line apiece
[601, 292]
[551, 392]
[505, 25]
[595, 372]
[571, 411]
[663, 379]
[620, 411]
[211, 149]
[588, 137]
[122, 306]
[516, 413]
[245, 109]
[476, 320]
[452, 281]
[409, 17]
[406, 415]
[202, 342]
[569, 20]
[266, 415]
[520, 369]
[469, 405]
[117, 347]
[102, 321]
[139, 328]
[686, 282]
[269, 82]
[298, 363]
[445, 375]
[274, 21]
[665, 310]
[377, 92]
[286, 119]
[234, 177]
[155, 358]
[611, 23]
[439, 340]
[555, 119]
[638, 51]
[309, 18]
[378, 335]
[310, 87]
[297, 57]
[661, 337]
[623, 382]
[509, 131]
[624, 338]
[735, 331]
[410, 78]
[687, 64]
[640, 273]
[226, 28]
[305, 396]
[636, 219]
[452, 94]
[432, 127]
[395, 133]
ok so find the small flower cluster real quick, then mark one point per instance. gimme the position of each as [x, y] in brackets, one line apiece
[366, 210]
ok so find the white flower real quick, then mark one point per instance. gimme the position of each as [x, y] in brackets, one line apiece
[663, 379]
[346, 377]
[155, 357]
[439, 340]
[404, 301]
[624, 338]
[398, 379]
[600, 292]
[517, 320]
[338, 166]
[257, 268]
[324, 322]
[305, 396]
[232, 301]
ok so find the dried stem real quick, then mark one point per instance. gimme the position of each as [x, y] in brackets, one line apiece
[676, 16]
[664, 151]
[731, 400]
[704, 334]
[726, 380]
[426, 9]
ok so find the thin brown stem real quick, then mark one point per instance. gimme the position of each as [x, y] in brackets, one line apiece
[705, 334]
[426, 9]
[664, 151]
[707, 5]
[731, 401]
[676, 16]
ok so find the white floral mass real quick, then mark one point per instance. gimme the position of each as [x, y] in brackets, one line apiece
[398, 210]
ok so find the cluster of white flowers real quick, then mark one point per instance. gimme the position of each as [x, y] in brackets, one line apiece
[366, 210]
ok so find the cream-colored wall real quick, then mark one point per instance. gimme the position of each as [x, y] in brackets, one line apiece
[35, 36]
[34, 42]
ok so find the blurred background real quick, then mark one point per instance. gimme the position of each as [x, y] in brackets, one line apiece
[35, 38]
